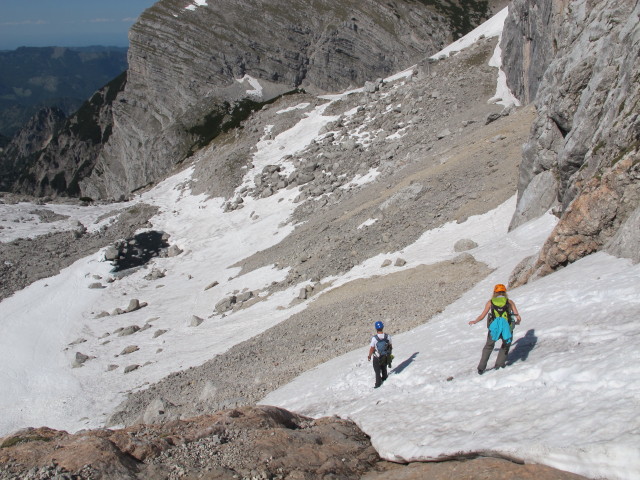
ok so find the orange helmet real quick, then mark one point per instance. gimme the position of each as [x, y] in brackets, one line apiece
[499, 288]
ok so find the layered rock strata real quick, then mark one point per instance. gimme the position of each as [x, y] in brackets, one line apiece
[188, 68]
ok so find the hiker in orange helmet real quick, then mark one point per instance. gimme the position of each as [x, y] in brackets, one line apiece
[502, 315]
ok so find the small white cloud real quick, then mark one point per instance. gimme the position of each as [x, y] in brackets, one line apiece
[25, 22]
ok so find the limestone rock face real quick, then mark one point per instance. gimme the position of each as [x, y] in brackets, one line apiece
[583, 150]
[187, 65]
[527, 47]
[599, 217]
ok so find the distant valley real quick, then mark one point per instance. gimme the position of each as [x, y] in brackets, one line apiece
[32, 78]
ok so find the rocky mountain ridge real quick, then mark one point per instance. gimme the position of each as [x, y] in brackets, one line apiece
[174, 86]
[179, 89]
[33, 159]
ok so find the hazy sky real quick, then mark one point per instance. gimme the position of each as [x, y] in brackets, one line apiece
[67, 23]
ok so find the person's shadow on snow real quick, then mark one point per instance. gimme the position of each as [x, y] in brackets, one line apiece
[404, 364]
[523, 347]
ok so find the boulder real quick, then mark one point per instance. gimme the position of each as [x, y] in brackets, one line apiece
[130, 330]
[464, 244]
[225, 304]
[134, 304]
[131, 368]
[159, 332]
[243, 297]
[155, 274]
[80, 359]
[111, 253]
[130, 349]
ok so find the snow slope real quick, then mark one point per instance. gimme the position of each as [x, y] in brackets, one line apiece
[568, 399]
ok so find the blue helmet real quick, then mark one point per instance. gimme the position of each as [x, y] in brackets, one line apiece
[379, 326]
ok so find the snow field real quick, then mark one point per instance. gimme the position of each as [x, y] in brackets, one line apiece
[568, 400]
[40, 385]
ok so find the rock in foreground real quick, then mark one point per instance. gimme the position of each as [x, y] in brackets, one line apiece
[251, 442]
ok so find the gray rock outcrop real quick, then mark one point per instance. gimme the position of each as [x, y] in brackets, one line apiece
[464, 244]
[580, 62]
[626, 241]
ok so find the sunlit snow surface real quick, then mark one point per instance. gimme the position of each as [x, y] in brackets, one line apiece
[196, 4]
[490, 28]
[570, 398]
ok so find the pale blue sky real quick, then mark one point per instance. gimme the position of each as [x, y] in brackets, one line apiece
[67, 23]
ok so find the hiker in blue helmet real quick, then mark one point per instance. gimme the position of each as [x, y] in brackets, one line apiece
[380, 349]
[502, 316]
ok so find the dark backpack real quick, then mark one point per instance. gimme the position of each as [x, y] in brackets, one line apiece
[383, 345]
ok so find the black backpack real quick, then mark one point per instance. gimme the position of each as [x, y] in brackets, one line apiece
[383, 345]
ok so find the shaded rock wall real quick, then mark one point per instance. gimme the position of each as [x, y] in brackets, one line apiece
[32, 138]
[50, 154]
